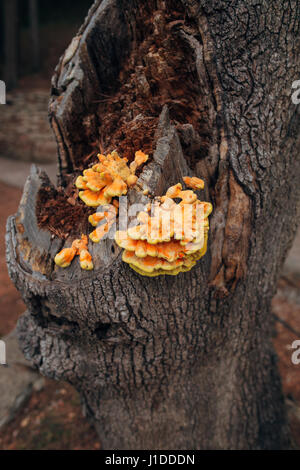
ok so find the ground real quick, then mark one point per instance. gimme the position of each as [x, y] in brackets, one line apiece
[51, 420]
[52, 417]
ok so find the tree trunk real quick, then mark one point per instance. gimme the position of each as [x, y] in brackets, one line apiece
[10, 42]
[183, 362]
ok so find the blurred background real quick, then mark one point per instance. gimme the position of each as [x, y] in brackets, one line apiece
[38, 413]
[33, 35]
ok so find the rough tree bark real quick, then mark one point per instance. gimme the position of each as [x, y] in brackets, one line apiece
[185, 361]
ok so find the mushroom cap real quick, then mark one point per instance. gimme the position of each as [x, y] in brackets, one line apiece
[150, 263]
[80, 183]
[80, 244]
[169, 251]
[131, 180]
[140, 157]
[114, 164]
[94, 199]
[193, 182]
[96, 181]
[188, 197]
[145, 268]
[208, 207]
[109, 214]
[85, 260]
[183, 222]
[95, 218]
[117, 188]
[65, 257]
[100, 231]
[174, 191]
[160, 272]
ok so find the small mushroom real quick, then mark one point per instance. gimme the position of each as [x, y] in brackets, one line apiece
[100, 232]
[96, 218]
[187, 197]
[79, 247]
[131, 180]
[173, 191]
[140, 157]
[193, 182]
[85, 260]
[65, 257]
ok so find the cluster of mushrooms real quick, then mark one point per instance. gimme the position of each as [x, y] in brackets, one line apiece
[99, 186]
[173, 237]
[169, 237]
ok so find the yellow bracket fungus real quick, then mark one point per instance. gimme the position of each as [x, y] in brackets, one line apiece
[108, 217]
[172, 238]
[109, 178]
[193, 182]
[79, 247]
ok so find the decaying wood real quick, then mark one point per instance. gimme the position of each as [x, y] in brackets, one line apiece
[187, 361]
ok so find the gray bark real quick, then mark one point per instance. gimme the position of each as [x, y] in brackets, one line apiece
[182, 362]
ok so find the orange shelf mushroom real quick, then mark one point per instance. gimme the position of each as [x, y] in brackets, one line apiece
[78, 247]
[171, 239]
[108, 217]
[170, 236]
[193, 182]
[109, 178]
